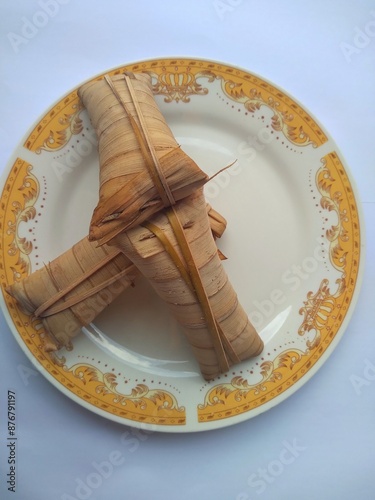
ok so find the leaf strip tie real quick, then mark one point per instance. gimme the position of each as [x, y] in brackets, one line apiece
[221, 344]
[145, 143]
[171, 251]
[50, 306]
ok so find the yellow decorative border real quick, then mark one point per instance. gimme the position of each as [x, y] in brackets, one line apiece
[57, 126]
[177, 81]
[141, 404]
[20, 208]
[324, 311]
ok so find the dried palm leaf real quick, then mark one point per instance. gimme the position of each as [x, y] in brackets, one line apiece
[142, 168]
[175, 250]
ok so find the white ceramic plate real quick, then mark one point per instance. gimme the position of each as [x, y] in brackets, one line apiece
[293, 244]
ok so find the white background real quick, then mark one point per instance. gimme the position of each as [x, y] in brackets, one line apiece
[300, 46]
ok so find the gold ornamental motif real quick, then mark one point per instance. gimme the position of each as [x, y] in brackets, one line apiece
[57, 127]
[334, 200]
[19, 207]
[179, 85]
[287, 117]
[238, 395]
[179, 80]
[141, 403]
[318, 308]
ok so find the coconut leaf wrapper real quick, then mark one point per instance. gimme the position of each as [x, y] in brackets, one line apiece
[73, 289]
[142, 168]
[176, 252]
